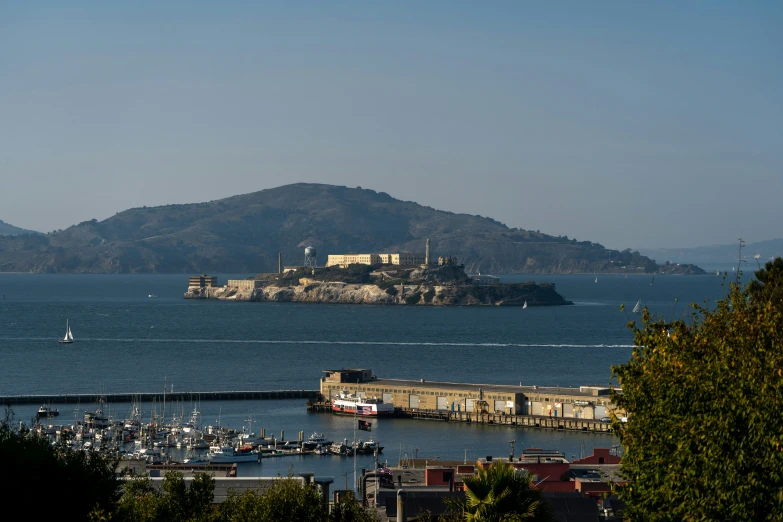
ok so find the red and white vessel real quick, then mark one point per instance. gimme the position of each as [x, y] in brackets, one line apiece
[350, 404]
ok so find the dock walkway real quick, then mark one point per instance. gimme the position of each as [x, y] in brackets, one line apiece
[87, 398]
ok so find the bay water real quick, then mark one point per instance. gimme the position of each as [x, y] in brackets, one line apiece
[127, 341]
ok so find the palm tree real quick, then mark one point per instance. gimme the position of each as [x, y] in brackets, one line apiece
[502, 494]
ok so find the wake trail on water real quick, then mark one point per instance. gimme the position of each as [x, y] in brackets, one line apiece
[321, 342]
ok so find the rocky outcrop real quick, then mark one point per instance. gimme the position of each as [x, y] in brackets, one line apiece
[413, 295]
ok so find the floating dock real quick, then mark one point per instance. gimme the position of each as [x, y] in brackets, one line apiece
[87, 398]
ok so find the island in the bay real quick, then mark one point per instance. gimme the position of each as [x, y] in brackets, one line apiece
[389, 279]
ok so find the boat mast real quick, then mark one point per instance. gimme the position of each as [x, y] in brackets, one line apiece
[163, 415]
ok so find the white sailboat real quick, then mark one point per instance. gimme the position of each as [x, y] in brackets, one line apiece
[524, 305]
[638, 307]
[596, 279]
[68, 335]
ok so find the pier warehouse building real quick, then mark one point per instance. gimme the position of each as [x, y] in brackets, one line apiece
[585, 402]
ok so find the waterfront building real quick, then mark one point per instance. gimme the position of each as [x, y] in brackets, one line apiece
[585, 402]
[245, 284]
[203, 281]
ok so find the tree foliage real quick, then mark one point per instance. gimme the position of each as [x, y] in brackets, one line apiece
[33, 469]
[175, 501]
[704, 437]
[285, 499]
[501, 494]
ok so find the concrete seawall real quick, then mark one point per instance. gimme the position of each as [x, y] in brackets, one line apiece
[88, 398]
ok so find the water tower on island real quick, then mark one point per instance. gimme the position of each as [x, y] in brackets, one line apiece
[310, 254]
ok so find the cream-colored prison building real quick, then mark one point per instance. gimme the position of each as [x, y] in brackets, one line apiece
[405, 259]
[585, 402]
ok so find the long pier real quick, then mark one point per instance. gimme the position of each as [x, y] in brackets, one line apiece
[497, 419]
[87, 398]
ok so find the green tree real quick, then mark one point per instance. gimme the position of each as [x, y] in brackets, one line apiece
[32, 469]
[174, 502]
[289, 499]
[350, 510]
[501, 494]
[286, 499]
[704, 437]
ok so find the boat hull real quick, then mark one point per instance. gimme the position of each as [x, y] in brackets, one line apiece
[230, 459]
[363, 412]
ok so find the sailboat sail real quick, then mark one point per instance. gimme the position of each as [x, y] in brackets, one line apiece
[524, 305]
[596, 279]
[68, 335]
[638, 307]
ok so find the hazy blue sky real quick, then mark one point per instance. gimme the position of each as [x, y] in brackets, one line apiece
[631, 125]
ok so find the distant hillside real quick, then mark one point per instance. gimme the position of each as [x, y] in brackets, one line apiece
[10, 230]
[245, 233]
[727, 254]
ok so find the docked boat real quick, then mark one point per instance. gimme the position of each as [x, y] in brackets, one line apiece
[68, 335]
[348, 403]
[316, 441]
[322, 450]
[341, 448]
[229, 454]
[47, 411]
[368, 447]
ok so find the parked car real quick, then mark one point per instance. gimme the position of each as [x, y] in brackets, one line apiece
[606, 419]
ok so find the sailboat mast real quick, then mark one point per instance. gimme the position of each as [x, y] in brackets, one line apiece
[163, 415]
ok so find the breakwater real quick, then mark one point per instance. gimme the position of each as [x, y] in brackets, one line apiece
[73, 398]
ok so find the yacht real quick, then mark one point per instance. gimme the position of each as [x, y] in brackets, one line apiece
[316, 440]
[367, 447]
[228, 454]
[348, 403]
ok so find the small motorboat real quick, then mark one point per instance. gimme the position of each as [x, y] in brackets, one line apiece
[47, 411]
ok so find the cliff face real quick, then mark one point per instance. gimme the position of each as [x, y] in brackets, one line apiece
[412, 295]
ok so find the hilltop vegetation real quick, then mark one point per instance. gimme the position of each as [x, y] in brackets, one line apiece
[7, 229]
[245, 233]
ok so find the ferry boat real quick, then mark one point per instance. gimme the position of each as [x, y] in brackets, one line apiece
[348, 403]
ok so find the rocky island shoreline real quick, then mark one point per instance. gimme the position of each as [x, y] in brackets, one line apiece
[381, 285]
